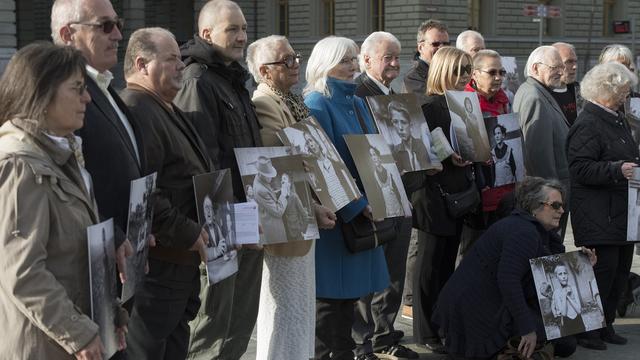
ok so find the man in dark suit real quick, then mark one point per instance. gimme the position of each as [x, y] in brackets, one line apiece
[375, 314]
[112, 145]
[168, 299]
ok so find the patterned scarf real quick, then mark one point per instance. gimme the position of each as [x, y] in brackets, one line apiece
[294, 102]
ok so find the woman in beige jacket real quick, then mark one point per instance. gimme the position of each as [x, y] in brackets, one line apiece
[48, 204]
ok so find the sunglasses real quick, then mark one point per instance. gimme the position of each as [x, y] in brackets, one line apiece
[556, 205]
[495, 72]
[466, 69]
[106, 26]
[289, 61]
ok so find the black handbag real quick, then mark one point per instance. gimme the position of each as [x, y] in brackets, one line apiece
[362, 234]
[461, 203]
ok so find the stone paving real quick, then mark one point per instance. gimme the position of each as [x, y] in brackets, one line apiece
[628, 327]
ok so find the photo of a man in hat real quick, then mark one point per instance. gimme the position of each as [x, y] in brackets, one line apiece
[271, 206]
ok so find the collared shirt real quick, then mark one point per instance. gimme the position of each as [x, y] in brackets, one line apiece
[383, 88]
[103, 80]
[63, 142]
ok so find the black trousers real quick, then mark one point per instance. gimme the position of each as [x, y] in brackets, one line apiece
[334, 319]
[434, 265]
[164, 305]
[612, 272]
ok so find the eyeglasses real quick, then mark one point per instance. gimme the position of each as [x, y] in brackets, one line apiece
[466, 69]
[348, 60]
[289, 61]
[107, 25]
[80, 89]
[495, 72]
[556, 67]
[436, 44]
[556, 205]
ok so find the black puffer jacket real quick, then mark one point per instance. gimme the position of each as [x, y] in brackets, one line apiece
[214, 99]
[597, 145]
[415, 81]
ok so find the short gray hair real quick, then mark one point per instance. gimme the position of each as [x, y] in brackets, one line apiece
[371, 44]
[538, 55]
[606, 81]
[263, 51]
[561, 44]
[617, 53]
[461, 40]
[64, 12]
[143, 43]
[479, 57]
[326, 54]
[533, 191]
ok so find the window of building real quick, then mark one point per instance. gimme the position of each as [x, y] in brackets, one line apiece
[328, 17]
[607, 16]
[377, 15]
[283, 17]
[482, 16]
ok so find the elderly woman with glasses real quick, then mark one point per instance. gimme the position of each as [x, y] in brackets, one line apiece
[491, 298]
[341, 277]
[287, 298]
[45, 298]
[602, 156]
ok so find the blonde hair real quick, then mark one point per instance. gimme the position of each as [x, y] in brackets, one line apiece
[326, 55]
[444, 69]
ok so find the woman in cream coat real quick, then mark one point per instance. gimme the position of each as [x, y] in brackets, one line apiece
[287, 297]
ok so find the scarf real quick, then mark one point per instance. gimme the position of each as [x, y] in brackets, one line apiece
[497, 105]
[294, 102]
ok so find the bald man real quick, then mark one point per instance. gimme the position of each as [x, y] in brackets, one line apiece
[214, 99]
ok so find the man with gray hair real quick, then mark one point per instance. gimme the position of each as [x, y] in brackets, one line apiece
[216, 102]
[543, 123]
[567, 95]
[470, 41]
[373, 329]
[168, 297]
[432, 35]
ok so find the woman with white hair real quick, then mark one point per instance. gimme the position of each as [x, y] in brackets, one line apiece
[617, 53]
[602, 155]
[287, 298]
[341, 277]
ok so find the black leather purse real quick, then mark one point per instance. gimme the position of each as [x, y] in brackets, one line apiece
[461, 203]
[362, 234]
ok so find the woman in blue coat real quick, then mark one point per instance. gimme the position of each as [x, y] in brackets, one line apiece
[341, 277]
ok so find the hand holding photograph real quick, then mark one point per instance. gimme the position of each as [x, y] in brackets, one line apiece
[567, 294]
[102, 282]
[467, 123]
[379, 174]
[328, 175]
[401, 122]
[138, 231]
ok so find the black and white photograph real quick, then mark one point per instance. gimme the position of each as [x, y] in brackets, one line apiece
[214, 199]
[632, 109]
[102, 275]
[138, 230]
[469, 135]
[633, 213]
[379, 175]
[279, 186]
[401, 122]
[568, 294]
[505, 137]
[511, 80]
[327, 173]
[440, 145]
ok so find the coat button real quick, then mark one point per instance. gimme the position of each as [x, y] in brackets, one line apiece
[350, 112]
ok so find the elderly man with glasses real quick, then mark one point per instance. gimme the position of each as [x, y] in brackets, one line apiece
[568, 94]
[543, 122]
[432, 35]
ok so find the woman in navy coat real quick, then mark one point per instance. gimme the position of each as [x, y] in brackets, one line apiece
[341, 277]
[491, 297]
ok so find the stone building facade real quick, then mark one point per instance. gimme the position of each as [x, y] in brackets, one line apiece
[502, 22]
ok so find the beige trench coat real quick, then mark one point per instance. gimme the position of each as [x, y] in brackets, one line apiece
[44, 277]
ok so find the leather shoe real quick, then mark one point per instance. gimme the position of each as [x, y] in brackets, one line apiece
[436, 347]
[592, 343]
[614, 339]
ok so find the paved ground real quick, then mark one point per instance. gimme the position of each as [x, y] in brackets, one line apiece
[628, 327]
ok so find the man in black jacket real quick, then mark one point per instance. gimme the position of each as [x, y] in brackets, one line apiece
[375, 314]
[168, 298]
[216, 102]
[432, 35]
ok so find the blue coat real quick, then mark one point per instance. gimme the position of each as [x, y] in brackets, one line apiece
[339, 273]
